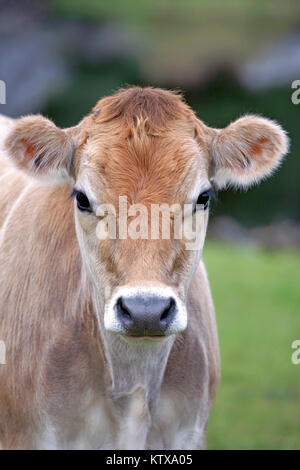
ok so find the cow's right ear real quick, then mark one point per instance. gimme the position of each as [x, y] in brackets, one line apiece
[38, 147]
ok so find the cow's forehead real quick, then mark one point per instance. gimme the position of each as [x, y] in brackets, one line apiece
[141, 144]
[142, 166]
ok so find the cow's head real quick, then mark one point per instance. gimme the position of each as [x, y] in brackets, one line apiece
[147, 147]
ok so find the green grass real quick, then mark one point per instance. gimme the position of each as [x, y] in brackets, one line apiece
[257, 300]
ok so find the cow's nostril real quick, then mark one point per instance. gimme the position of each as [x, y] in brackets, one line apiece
[168, 310]
[122, 309]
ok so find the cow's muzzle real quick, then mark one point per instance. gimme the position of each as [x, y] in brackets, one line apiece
[145, 315]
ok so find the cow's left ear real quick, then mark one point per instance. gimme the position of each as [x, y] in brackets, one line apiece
[246, 151]
[41, 149]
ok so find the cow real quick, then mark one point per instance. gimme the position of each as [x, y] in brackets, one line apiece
[111, 343]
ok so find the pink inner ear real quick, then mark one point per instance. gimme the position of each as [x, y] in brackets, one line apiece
[29, 151]
[256, 149]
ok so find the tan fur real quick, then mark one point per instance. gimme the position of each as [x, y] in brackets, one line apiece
[37, 145]
[67, 382]
[247, 150]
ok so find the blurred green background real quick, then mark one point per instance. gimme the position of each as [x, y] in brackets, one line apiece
[228, 58]
[257, 304]
[198, 46]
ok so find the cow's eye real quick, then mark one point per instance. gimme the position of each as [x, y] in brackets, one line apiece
[83, 203]
[203, 199]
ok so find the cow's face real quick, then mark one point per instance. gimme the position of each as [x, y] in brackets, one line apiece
[142, 167]
[130, 182]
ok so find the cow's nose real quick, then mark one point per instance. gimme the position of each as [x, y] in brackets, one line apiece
[146, 315]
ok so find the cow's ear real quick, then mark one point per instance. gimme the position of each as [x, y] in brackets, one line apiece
[246, 151]
[38, 147]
